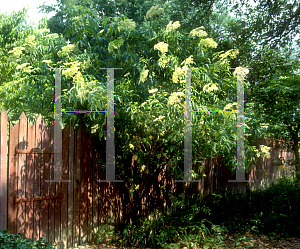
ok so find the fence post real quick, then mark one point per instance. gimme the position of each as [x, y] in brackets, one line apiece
[3, 170]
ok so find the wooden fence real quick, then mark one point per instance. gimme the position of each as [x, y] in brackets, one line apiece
[70, 214]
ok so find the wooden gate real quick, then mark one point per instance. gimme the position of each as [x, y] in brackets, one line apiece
[65, 213]
[34, 205]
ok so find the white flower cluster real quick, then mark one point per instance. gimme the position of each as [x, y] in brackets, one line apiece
[127, 24]
[78, 78]
[17, 51]
[199, 32]
[30, 42]
[263, 149]
[229, 106]
[153, 90]
[54, 35]
[179, 74]
[159, 118]
[163, 61]
[174, 98]
[162, 47]
[154, 11]
[25, 67]
[209, 42]
[66, 50]
[72, 70]
[143, 75]
[115, 44]
[232, 53]
[241, 71]
[81, 88]
[131, 146]
[188, 61]
[210, 87]
[172, 26]
[47, 61]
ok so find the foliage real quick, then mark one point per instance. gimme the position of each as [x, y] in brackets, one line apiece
[184, 221]
[8, 240]
[195, 221]
[132, 9]
[280, 104]
[31, 84]
[149, 117]
[273, 22]
[278, 101]
[190, 14]
[104, 232]
[13, 30]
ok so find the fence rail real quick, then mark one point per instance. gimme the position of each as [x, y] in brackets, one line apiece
[71, 213]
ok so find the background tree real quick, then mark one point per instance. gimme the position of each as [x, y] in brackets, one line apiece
[27, 81]
[13, 30]
[279, 105]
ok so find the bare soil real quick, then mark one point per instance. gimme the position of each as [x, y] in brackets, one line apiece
[255, 241]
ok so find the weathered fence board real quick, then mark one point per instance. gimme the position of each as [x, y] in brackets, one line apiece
[3, 170]
[64, 190]
[83, 188]
[95, 191]
[70, 138]
[77, 181]
[37, 177]
[12, 187]
[45, 175]
[29, 182]
[21, 174]
[90, 180]
[51, 185]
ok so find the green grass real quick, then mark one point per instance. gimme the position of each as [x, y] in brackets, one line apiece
[202, 221]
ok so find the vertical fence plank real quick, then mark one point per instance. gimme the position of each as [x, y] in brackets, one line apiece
[163, 189]
[114, 203]
[3, 170]
[168, 187]
[101, 191]
[51, 187]
[110, 201]
[37, 177]
[95, 189]
[77, 181]
[29, 182]
[21, 174]
[45, 175]
[205, 179]
[90, 188]
[83, 187]
[65, 176]
[57, 203]
[12, 188]
[71, 186]
[105, 204]
[118, 204]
